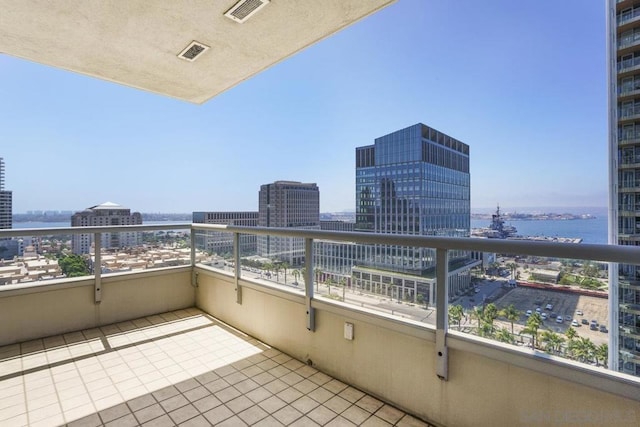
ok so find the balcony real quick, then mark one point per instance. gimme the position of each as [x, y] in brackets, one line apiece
[196, 344]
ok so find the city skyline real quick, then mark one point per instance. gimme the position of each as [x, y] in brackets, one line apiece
[514, 97]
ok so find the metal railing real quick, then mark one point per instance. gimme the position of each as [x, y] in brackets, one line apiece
[628, 63]
[442, 246]
[628, 16]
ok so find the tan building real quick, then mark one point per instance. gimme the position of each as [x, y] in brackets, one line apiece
[107, 213]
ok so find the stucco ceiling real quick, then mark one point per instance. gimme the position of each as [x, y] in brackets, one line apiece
[137, 42]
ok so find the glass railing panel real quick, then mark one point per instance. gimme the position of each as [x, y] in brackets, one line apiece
[559, 306]
[394, 280]
[215, 249]
[153, 249]
[35, 259]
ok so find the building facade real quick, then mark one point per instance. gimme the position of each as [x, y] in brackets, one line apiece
[6, 210]
[220, 242]
[8, 247]
[624, 177]
[106, 214]
[287, 204]
[413, 181]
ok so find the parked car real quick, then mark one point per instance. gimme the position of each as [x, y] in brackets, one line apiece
[594, 322]
[528, 313]
[603, 328]
[538, 310]
[575, 323]
[559, 319]
[544, 316]
[549, 307]
[553, 315]
[593, 327]
[584, 321]
[579, 312]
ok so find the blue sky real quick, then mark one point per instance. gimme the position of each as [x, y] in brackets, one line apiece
[523, 83]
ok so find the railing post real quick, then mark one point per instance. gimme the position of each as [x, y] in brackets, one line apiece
[97, 266]
[236, 259]
[442, 296]
[194, 276]
[308, 283]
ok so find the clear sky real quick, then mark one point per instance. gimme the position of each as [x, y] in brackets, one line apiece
[523, 83]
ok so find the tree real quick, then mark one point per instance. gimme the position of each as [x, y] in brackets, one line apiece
[513, 267]
[553, 341]
[602, 354]
[455, 314]
[329, 282]
[503, 335]
[478, 313]
[583, 349]
[531, 327]
[490, 314]
[277, 267]
[268, 267]
[284, 266]
[296, 275]
[317, 273]
[343, 284]
[571, 334]
[512, 314]
[74, 266]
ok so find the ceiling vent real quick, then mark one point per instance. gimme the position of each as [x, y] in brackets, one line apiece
[193, 51]
[245, 9]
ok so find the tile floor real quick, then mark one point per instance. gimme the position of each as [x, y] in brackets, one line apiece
[180, 368]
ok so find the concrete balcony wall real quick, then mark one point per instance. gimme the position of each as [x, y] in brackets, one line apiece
[60, 306]
[395, 361]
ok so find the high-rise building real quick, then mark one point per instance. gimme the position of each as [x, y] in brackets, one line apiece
[6, 211]
[107, 213]
[221, 242]
[624, 178]
[412, 181]
[287, 204]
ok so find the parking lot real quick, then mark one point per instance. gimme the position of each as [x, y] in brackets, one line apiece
[564, 304]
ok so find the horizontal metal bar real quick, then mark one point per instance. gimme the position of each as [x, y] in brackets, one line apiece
[18, 232]
[582, 251]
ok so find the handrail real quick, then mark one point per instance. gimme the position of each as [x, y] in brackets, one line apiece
[585, 251]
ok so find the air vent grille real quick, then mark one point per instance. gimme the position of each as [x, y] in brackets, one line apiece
[193, 51]
[244, 9]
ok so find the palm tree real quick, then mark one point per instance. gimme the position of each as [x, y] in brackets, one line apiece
[512, 314]
[503, 335]
[296, 275]
[531, 328]
[284, 266]
[602, 353]
[455, 314]
[571, 334]
[329, 282]
[343, 284]
[490, 314]
[583, 349]
[268, 267]
[513, 267]
[277, 267]
[317, 272]
[553, 341]
[478, 313]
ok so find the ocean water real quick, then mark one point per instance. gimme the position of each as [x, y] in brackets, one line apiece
[589, 230]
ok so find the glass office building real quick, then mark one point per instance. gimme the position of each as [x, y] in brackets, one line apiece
[413, 181]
